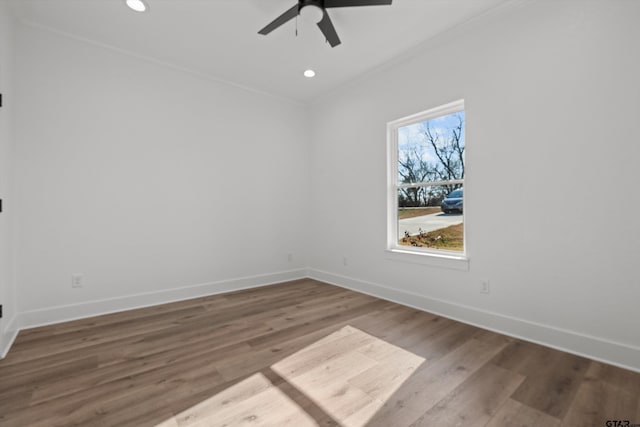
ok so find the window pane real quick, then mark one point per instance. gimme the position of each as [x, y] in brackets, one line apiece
[432, 150]
[431, 217]
[427, 166]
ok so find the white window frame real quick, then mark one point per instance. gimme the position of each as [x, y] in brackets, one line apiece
[409, 253]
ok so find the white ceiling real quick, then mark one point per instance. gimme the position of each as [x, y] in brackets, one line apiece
[219, 37]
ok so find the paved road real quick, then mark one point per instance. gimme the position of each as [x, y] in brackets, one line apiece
[428, 223]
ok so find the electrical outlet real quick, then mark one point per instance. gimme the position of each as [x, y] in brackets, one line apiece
[76, 280]
[484, 287]
[345, 261]
[290, 257]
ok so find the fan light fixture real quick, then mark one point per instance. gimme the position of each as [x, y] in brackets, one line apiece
[309, 73]
[137, 5]
[311, 13]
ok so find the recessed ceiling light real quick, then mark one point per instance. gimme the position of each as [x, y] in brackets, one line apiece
[309, 73]
[137, 5]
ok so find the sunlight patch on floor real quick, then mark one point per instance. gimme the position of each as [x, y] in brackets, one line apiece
[349, 374]
[254, 401]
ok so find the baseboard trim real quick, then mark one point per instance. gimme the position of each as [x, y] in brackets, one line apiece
[65, 313]
[595, 348]
[8, 336]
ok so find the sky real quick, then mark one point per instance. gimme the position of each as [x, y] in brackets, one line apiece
[413, 134]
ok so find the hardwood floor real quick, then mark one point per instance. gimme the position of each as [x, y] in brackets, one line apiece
[302, 353]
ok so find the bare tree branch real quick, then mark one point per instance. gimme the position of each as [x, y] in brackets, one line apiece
[415, 167]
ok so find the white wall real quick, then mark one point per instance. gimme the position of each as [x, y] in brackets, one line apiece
[148, 181]
[7, 294]
[551, 94]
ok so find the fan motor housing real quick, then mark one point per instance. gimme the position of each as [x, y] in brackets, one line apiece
[305, 3]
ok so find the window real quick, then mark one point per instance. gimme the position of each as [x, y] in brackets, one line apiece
[426, 182]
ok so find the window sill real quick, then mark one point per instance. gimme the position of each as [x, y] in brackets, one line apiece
[450, 261]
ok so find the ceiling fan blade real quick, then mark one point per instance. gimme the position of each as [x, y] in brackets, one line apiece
[349, 3]
[287, 16]
[329, 31]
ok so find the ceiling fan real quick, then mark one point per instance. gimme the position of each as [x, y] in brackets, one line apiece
[325, 24]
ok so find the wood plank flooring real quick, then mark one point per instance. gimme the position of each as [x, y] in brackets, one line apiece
[302, 353]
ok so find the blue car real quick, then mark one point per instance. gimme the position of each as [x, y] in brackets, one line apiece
[453, 202]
